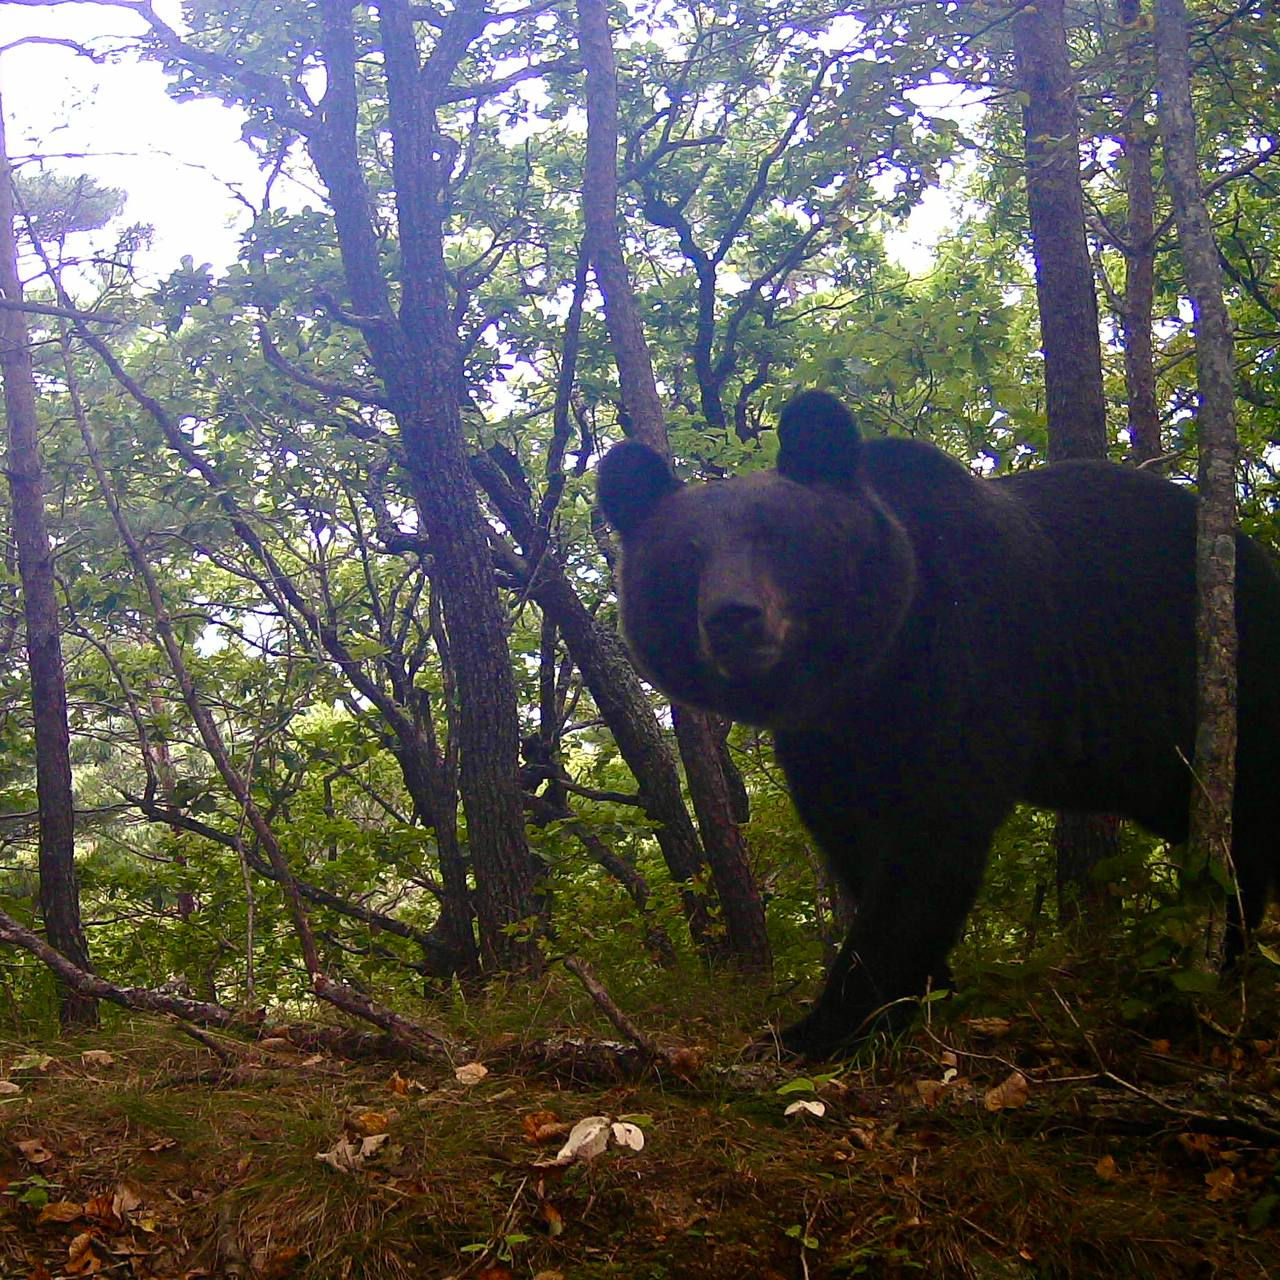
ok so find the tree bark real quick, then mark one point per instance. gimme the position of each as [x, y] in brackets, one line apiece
[1076, 407]
[418, 357]
[1074, 400]
[1139, 250]
[59, 886]
[722, 839]
[1216, 640]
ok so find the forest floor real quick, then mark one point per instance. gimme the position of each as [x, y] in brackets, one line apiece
[1045, 1141]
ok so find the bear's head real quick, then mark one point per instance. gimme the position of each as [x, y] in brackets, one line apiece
[767, 596]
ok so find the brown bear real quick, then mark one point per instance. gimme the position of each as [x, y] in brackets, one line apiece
[929, 648]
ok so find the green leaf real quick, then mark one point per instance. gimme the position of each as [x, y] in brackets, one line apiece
[1195, 981]
[801, 1084]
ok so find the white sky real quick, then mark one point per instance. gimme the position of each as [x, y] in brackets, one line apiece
[178, 161]
[174, 159]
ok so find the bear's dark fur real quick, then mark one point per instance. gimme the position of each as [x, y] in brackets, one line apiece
[929, 648]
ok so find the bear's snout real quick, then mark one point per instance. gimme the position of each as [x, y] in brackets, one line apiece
[742, 639]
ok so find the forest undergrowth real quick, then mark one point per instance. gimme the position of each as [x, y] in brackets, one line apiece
[1019, 1130]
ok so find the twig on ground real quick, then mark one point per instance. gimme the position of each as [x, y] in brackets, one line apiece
[606, 1004]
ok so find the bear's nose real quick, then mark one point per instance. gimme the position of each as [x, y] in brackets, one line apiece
[738, 640]
[734, 624]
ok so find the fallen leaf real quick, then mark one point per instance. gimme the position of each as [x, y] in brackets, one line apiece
[627, 1135]
[368, 1123]
[1221, 1183]
[1198, 1144]
[35, 1151]
[471, 1073]
[398, 1084]
[806, 1106]
[277, 1044]
[61, 1211]
[8, 1087]
[863, 1137]
[101, 1209]
[275, 1264]
[930, 1092]
[97, 1058]
[552, 1218]
[348, 1155]
[127, 1198]
[82, 1259]
[686, 1063]
[32, 1062]
[948, 1059]
[496, 1272]
[1010, 1093]
[542, 1126]
[1106, 1169]
[549, 1275]
[993, 1027]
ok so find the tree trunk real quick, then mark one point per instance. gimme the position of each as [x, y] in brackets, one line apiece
[1074, 401]
[59, 888]
[1075, 405]
[1139, 250]
[1215, 748]
[723, 842]
[417, 355]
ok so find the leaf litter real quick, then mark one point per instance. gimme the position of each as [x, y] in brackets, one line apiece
[952, 1160]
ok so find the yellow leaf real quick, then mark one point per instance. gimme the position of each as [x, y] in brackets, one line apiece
[1106, 1169]
[1010, 1093]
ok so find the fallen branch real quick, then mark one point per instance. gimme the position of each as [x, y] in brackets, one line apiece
[138, 998]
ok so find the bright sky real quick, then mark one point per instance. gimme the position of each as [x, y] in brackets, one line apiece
[178, 161]
[116, 122]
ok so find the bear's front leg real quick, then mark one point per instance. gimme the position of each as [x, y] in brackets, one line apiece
[916, 885]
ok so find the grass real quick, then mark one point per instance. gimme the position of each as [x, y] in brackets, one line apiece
[898, 1178]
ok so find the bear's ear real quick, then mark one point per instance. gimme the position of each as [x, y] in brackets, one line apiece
[631, 480]
[818, 440]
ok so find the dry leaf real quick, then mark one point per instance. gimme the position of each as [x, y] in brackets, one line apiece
[275, 1264]
[1106, 1169]
[993, 1027]
[61, 1211]
[348, 1155]
[97, 1058]
[806, 1106]
[542, 1126]
[1198, 1144]
[9, 1087]
[948, 1059]
[102, 1210]
[1221, 1183]
[81, 1257]
[551, 1217]
[398, 1084]
[498, 1271]
[126, 1199]
[930, 1092]
[277, 1044]
[863, 1137]
[471, 1073]
[367, 1123]
[35, 1151]
[686, 1062]
[549, 1275]
[1011, 1092]
[627, 1135]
